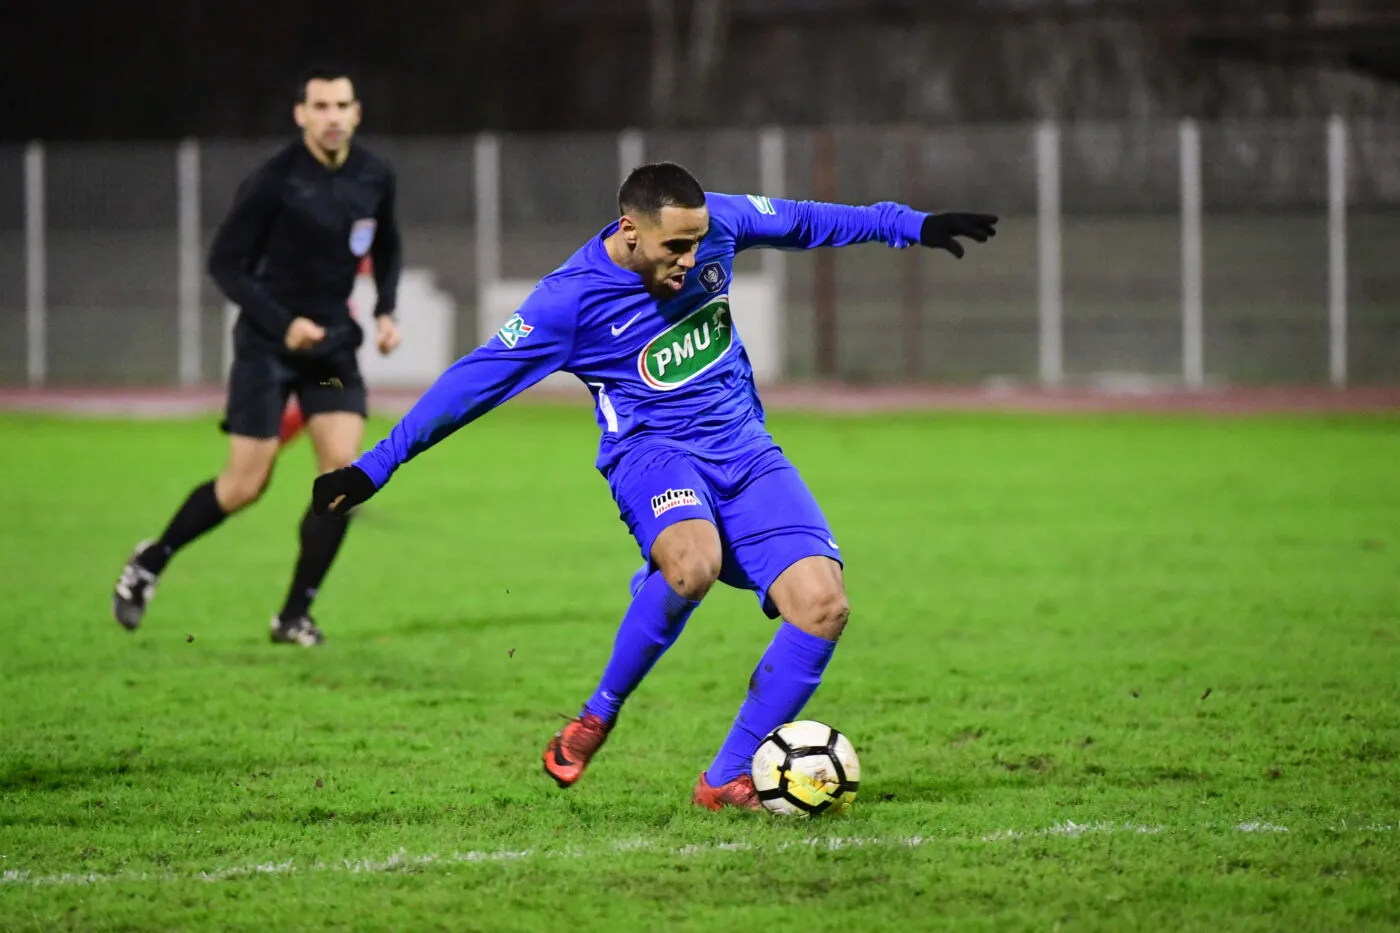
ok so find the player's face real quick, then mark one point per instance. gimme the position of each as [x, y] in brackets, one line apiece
[666, 246]
[329, 115]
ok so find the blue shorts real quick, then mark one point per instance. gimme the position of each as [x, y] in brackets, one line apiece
[766, 517]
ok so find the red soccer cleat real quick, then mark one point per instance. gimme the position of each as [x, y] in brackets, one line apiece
[568, 753]
[737, 793]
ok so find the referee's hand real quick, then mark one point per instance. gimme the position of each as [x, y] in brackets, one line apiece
[339, 491]
[388, 337]
[304, 333]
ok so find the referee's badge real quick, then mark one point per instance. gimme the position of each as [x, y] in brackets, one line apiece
[362, 235]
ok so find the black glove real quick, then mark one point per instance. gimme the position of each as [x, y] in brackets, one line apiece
[939, 230]
[339, 491]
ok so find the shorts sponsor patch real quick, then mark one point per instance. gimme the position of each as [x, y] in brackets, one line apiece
[671, 499]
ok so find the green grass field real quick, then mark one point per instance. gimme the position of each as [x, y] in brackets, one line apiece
[1103, 672]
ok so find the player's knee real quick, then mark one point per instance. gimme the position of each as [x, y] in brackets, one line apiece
[691, 570]
[241, 489]
[823, 612]
[692, 574]
[688, 555]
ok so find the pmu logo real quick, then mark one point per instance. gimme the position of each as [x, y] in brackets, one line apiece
[712, 277]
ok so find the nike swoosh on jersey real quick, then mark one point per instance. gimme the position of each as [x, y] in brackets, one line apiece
[617, 331]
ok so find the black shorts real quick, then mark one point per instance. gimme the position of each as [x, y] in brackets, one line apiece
[260, 382]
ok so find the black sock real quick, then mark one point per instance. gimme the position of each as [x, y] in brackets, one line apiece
[320, 540]
[200, 513]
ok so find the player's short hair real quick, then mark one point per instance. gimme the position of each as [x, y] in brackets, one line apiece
[321, 71]
[649, 188]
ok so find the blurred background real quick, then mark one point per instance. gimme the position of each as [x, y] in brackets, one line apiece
[1193, 193]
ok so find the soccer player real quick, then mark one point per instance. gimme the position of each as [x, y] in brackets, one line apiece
[641, 315]
[287, 255]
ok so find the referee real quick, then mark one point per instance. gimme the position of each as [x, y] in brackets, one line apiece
[287, 255]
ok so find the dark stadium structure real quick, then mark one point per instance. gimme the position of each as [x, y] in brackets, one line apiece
[442, 66]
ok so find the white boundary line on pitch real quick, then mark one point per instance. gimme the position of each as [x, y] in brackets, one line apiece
[403, 861]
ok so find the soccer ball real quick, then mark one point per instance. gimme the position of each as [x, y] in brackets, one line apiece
[805, 768]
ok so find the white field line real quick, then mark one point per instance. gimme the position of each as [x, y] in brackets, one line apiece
[404, 861]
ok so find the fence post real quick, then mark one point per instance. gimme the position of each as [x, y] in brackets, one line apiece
[911, 266]
[35, 267]
[631, 152]
[1050, 233]
[1337, 249]
[772, 174]
[488, 217]
[824, 183]
[188, 233]
[1192, 302]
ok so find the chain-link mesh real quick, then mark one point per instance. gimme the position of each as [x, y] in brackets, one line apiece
[1373, 253]
[556, 192]
[436, 206]
[13, 329]
[1120, 199]
[112, 257]
[914, 314]
[1264, 234]
[112, 245]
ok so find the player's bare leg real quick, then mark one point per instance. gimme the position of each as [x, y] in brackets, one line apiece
[245, 477]
[335, 437]
[687, 556]
[242, 481]
[811, 596]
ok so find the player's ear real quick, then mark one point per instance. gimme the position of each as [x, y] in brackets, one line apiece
[299, 114]
[628, 227]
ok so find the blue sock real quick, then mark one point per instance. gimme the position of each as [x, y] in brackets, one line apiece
[781, 685]
[634, 586]
[652, 624]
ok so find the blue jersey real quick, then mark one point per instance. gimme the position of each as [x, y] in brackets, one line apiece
[671, 371]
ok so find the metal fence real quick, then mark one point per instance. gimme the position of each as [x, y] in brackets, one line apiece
[1240, 252]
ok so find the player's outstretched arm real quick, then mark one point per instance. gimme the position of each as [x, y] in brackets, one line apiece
[536, 341]
[775, 222]
[238, 246]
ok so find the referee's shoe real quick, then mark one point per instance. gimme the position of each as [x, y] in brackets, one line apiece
[299, 631]
[134, 590]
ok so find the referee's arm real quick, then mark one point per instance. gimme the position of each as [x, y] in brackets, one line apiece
[387, 253]
[239, 245]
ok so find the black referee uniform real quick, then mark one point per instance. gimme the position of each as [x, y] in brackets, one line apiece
[291, 247]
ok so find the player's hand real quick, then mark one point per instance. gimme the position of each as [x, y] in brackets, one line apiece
[940, 230]
[389, 335]
[304, 333]
[339, 491]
